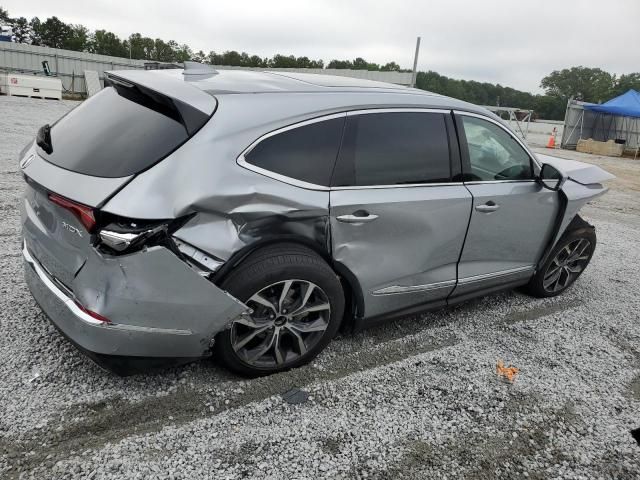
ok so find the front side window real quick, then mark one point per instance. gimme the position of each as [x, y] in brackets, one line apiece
[306, 153]
[493, 153]
[394, 148]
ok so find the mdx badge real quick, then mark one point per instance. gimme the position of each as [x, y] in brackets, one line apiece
[71, 229]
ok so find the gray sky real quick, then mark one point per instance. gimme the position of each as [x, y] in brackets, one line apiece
[511, 42]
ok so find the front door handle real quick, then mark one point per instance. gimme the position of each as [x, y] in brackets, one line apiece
[488, 207]
[357, 217]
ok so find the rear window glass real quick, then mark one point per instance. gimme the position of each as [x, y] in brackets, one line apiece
[109, 135]
[306, 153]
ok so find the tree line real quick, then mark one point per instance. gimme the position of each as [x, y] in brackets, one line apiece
[583, 83]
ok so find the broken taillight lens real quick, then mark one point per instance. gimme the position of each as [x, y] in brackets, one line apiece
[81, 212]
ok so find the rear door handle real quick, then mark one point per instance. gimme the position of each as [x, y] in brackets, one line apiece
[357, 217]
[488, 207]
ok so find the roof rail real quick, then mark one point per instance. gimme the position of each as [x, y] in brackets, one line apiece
[196, 68]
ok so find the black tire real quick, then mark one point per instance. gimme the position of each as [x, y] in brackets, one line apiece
[275, 265]
[541, 285]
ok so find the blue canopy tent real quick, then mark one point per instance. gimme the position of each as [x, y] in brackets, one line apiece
[617, 119]
[626, 105]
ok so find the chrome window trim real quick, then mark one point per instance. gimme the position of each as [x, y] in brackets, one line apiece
[480, 182]
[366, 111]
[242, 161]
[509, 132]
[399, 289]
[492, 275]
[400, 185]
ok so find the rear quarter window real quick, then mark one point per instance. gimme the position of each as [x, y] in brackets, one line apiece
[306, 153]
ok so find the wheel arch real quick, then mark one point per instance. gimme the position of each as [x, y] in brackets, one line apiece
[354, 298]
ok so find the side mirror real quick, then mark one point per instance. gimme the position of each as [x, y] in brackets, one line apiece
[550, 177]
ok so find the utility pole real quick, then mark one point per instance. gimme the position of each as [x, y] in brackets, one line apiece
[415, 64]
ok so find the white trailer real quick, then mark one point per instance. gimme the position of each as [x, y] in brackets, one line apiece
[30, 86]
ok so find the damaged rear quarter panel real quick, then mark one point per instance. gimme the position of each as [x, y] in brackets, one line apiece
[235, 207]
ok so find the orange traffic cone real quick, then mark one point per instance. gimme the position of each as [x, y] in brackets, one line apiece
[552, 139]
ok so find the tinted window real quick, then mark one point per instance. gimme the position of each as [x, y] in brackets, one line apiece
[116, 134]
[394, 148]
[305, 153]
[493, 153]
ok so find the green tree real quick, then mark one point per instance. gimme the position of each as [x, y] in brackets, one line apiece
[54, 32]
[626, 82]
[587, 84]
[35, 27]
[162, 51]
[199, 56]
[547, 107]
[183, 53]
[390, 67]
[282, 61]
[21, 30]
[4, 17]
[103, 42]
[77, 38]
[340, 64]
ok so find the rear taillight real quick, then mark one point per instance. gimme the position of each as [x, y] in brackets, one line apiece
[124, 235]
[81, 212]
[121, 241]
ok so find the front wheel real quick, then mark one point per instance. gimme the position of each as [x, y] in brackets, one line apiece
[297, 304]
[565, 264]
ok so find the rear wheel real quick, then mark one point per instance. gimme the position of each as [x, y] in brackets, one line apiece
[297, 304]
[565, 264]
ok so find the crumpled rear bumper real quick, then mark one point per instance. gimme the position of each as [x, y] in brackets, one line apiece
[158, 307]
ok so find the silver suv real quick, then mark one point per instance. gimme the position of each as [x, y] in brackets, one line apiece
[248, 215]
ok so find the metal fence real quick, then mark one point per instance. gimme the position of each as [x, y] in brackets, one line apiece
[70, 66]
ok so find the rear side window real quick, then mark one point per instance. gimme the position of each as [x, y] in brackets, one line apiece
[394, 148]
[119, 132]
[306, 153]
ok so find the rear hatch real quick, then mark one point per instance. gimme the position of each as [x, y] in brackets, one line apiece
[83, 159]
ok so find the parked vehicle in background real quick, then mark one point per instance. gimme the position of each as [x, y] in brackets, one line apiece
[179, 214]
[6, 33]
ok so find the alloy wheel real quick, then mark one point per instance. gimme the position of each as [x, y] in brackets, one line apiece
[289, 318]
[567, 265]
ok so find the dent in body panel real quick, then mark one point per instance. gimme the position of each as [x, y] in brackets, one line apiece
[152, 290]
[582, 185]
[235, 207]
[504, 245]
[416, 240]
[240, 221]
[576, 196]
[512, 236]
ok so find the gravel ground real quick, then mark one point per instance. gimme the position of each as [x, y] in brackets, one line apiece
[417, 398]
